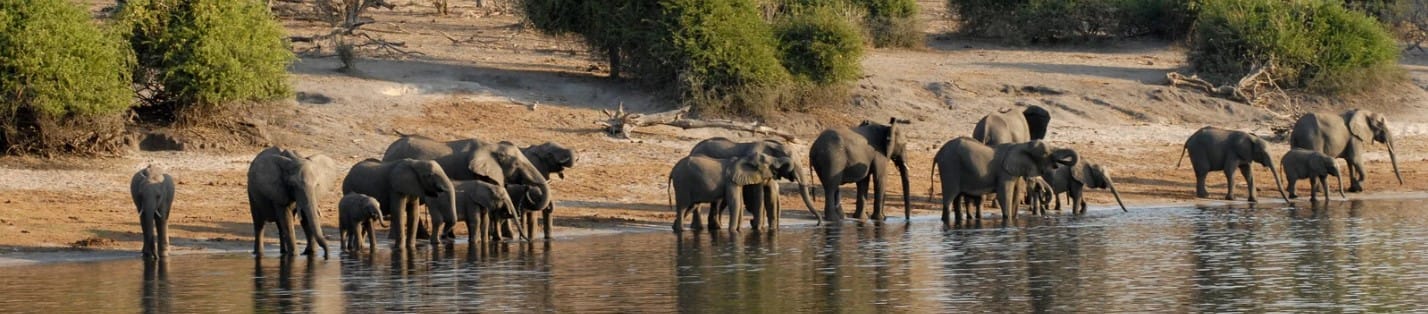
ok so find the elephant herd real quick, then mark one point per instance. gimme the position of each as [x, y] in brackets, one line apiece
[490, 185]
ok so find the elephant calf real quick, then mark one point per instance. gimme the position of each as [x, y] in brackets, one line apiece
[480, 204]
[1073, 180]
[153, 192]
[1301, 163]
[398, 185]
[355, 214]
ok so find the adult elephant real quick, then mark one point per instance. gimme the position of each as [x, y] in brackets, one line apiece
[472, 159]
[1213, 149]
[282, 183]
[1008, 126]
[971, 169]
[724, 148]
[548, 158]
[860, 155]
[398, 185]
[699, 179]
[1345, 136]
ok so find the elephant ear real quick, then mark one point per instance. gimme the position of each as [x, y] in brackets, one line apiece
[485, 166]
[1081, 173]
[1037, 119]
[1359, 125]
[1019, 159]
[749, 170]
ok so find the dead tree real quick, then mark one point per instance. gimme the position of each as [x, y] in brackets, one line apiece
[620, 123]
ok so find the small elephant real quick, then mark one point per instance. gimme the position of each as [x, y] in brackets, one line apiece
[481, 204]
[1213, 149]
[1073, 180]
[971, 169]
[1301, 163]
[398, 185]
[355, 214]
[548, 158]
[1345, 136]
[699, 179]
[282, 183]
[1008, 126]
[860, 155]
[754, 199]
[153, 192]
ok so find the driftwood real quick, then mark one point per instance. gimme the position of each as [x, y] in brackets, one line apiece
[1248, 89]
[620, 123]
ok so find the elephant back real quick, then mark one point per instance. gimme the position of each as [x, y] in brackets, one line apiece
[1002, 128]
[1319, 132]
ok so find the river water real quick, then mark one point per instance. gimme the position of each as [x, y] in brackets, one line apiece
[1347, 256]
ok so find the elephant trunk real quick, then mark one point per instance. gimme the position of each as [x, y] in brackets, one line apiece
[380, 221]
[307, 211]
[803, 189]
[1393, 158]
[906, 192]
[1112, 186]
[1341, 188]
[1274, 173]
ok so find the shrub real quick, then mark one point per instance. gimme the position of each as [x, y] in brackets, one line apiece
[1027, 21]
[1316, 45]
[893, 23]
[63, 81]
[821, 47]
[722, 50]
[200, 55]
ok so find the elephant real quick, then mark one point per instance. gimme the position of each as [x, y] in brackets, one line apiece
[355, 214]
[473, 159]
[1073, 180]
[1008, 127]
[1213, 148]
[1345, 136]
[480, 204]
[972, 169]
[699, 179]
[723, 148]
[397, 185]
[860, 155]
[548, 158]
[1301, 163]
[282, 183]
[153, 192]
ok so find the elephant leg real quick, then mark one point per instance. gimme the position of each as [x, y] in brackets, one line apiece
[698, 223]
[716, 208]
[285, 232]
[754, 203]
[146, 221]
[397, 231]
[861, 196]
[772, 211]
[545, 220]
[1290, 183]
[880, 191]
[1057, 198]
[163, 235]
[956, 209]
[1356, 175]
[258, 224]
[1200, 190]
[1314, 190]
[976, 202]
[1249, 182]
[1230, 183]
[1006, 199]
[831, 209]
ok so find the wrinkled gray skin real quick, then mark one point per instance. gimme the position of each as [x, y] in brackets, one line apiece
[472, 159]
[698, 179]
[481, 204]
[153, 192]
[355, 214]
[1345, 136]
[1073, 180]
[524, 198]
[282, 183]
[1009, 127]
[548, 158]
[1039, 196]
[754, 200]
[1301, 163]
[1216, 149]
[398, 185]
[860, 155]
[973, 169]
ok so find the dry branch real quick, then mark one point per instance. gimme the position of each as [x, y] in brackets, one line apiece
[620, 123]
[1249, 89]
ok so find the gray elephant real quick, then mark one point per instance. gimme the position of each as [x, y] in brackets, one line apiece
[548, 158]
[1213, 149]
[355, 214]
[860, 155]
[1008, 126]
[1345, 136]
[282, 183]
[153, 192]
[1073, 180]
[971, 169]
[480, 204]
[754, 200]
[472, 159]
[397, 185]
[699, 179]
[1301, 163]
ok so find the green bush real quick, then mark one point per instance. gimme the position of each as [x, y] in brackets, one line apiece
[723, 51]
[57, 70]
[1034, 21]
[821, 47]
[205, 54]
[893, 23]
[1315, 45]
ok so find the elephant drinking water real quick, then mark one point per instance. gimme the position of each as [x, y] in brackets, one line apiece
[1345, 136]
[860, 155]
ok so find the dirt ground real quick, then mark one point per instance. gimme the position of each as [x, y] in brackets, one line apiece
[1109, 101]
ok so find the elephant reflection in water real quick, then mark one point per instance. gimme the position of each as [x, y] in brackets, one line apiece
[288, 294]
[156, 287]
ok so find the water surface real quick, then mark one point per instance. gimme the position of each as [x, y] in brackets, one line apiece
[1348, 256]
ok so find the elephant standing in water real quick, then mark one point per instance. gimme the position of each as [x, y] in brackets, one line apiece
[480, 204]
[971, 169]
[1213, 149]
[282, 182]
[699, 179]
[153, 192]
[1345, 136]
[472, 159]
[860, 155]
[355, 214]
[1301, 163]
[548, 158]
[398, 185]
[755, 199]
[1074, 179]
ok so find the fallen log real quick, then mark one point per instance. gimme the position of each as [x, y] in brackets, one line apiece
[620, 123]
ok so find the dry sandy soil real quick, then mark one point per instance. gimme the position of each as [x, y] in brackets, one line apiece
[1111, 103]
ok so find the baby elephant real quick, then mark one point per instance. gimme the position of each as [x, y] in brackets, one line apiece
[1301, 163]
[153, 192]
[481, 205]
[1074, 179]
[355, 214]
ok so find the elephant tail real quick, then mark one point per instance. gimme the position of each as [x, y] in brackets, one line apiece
[1183, 149]
[669, 192]
[932, 183]
[813, 177]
